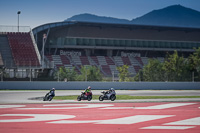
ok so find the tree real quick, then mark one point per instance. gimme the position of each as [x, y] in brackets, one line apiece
[71, 74]
[66, 73]
[194, 63]
[153, 71]
[175, 67]
[2, 73]
[94, 74]
[90, 73]
[123, 73]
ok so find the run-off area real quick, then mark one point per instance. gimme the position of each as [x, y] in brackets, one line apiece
[104, 117]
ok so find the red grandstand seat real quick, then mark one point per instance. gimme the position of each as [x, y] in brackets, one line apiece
[139, 60]
[109, 61]
[126, 61]
[64, 60]
[137, 68]
[106, 69]
[94, 58]
[84, 60]
[22, 49]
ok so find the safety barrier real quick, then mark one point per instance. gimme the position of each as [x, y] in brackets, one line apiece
[36, 85]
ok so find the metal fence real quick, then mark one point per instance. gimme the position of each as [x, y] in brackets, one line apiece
[4, 28]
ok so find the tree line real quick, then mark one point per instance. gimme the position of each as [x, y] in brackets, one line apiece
[174, 68]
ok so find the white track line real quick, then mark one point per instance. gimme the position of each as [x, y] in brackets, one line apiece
[193, 121]
[169, 127]
[165, 106]
[11, 106]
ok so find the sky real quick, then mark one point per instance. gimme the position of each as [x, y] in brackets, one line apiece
[38, 12]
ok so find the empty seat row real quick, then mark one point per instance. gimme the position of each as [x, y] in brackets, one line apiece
[22, 48]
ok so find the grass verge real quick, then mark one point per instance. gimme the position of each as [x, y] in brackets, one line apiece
[124, 97]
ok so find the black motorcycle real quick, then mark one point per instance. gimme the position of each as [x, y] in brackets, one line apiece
[83, 96]
[48, 97]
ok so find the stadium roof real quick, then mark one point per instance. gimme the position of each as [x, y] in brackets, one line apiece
[130, 26]
[123, 36]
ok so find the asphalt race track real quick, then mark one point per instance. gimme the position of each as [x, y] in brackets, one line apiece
[31, 96]
[21, 115]
[101, 118]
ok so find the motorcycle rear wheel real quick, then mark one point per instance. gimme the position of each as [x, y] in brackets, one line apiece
[45, 98]
[101, 98]
[79, 98]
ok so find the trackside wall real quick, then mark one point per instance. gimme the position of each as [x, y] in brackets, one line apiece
[99, 85]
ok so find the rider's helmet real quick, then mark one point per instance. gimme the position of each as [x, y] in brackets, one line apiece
[112, 89]
[89, 87]
[53, 89]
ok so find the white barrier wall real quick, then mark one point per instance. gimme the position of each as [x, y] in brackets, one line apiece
[18, 85]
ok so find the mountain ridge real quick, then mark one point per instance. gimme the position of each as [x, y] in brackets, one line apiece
[175, 15]
[87, 17]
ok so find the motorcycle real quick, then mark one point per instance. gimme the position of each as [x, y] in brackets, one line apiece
[83, 96]
[48, 97]
[107, 96]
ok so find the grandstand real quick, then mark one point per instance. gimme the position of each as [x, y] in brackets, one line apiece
[76, 44]
[19, 53]
[22, 49]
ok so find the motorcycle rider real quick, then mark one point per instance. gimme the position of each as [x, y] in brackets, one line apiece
[88, 91]
[110, 90]
[49, 96]
[52, 92]
[86, 95]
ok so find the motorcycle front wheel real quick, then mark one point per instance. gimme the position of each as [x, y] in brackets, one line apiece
[50, 98]
[89, 98]
[112, 98]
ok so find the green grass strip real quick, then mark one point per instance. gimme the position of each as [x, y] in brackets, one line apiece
[124, 97]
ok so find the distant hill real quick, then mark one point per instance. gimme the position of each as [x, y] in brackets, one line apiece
[94, 18]
[176, 16]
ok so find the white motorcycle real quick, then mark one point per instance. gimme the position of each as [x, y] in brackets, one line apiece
[108, 95]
